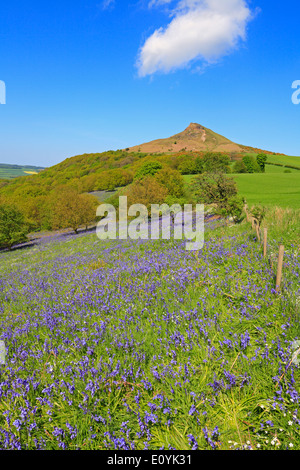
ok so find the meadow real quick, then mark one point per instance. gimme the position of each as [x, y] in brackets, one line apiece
[274, 188]
[280, 159]
[279, 186]
[270, 189]
[284, 160]
[144, 345]
[14, 171]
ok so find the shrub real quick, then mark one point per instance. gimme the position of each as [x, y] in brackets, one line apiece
[239, 167]
[234, 208]
[13, 228]
[261, 160]
[215, 188]
[68, 208]
[172, 180]
[258, 213]
[216, 163]
[146, 191]
[148, 169]
[251, 164]
[187, 167]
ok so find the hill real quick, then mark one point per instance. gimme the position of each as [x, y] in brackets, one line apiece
[195, 138]
[103, 175]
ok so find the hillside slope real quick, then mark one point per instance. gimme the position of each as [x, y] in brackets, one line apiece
[194, 138]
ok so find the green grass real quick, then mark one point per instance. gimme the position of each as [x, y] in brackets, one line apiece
[13, 171]
[102, 335]
[279, 169]
[284, 160]
[270, 189]
[283, 226]
[281, 159]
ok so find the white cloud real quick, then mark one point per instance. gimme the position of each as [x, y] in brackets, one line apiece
[199, 30]
[154, 3]
[107, 4]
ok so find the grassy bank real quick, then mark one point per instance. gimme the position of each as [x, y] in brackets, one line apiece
[144, 345]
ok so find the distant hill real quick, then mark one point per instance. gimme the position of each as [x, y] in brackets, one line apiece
[106, 174]
[8, 171]
[195, 138]
[107, 171]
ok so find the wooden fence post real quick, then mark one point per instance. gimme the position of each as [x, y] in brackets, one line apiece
[257, 232]
[265, 241]
[279, 267]
[247, 213]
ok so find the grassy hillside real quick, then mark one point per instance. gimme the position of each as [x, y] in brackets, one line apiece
[270, 189]
[194, 138]
[280, 169]
[284, 160]
[103, 174]
[94, 172]
[129, 345]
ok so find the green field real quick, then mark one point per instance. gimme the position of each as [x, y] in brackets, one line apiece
[284, 160]
[279, 169]
[13, 171]
[270, 189]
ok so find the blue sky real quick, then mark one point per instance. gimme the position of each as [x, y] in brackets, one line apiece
[87, 76]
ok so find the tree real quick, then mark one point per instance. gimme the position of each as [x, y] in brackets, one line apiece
[187, 167]
[68, 208]
[251, 164]
[214, 188]
[146, 191]
[13, 228]
[216, 163]
[258, 212]
[261, 159]
[234, 208]
[221, 190]
[239, 167]
[87, 206]
[148, 169]
[34, 211]
[106, 181]
[198, 165]
[172, 180]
